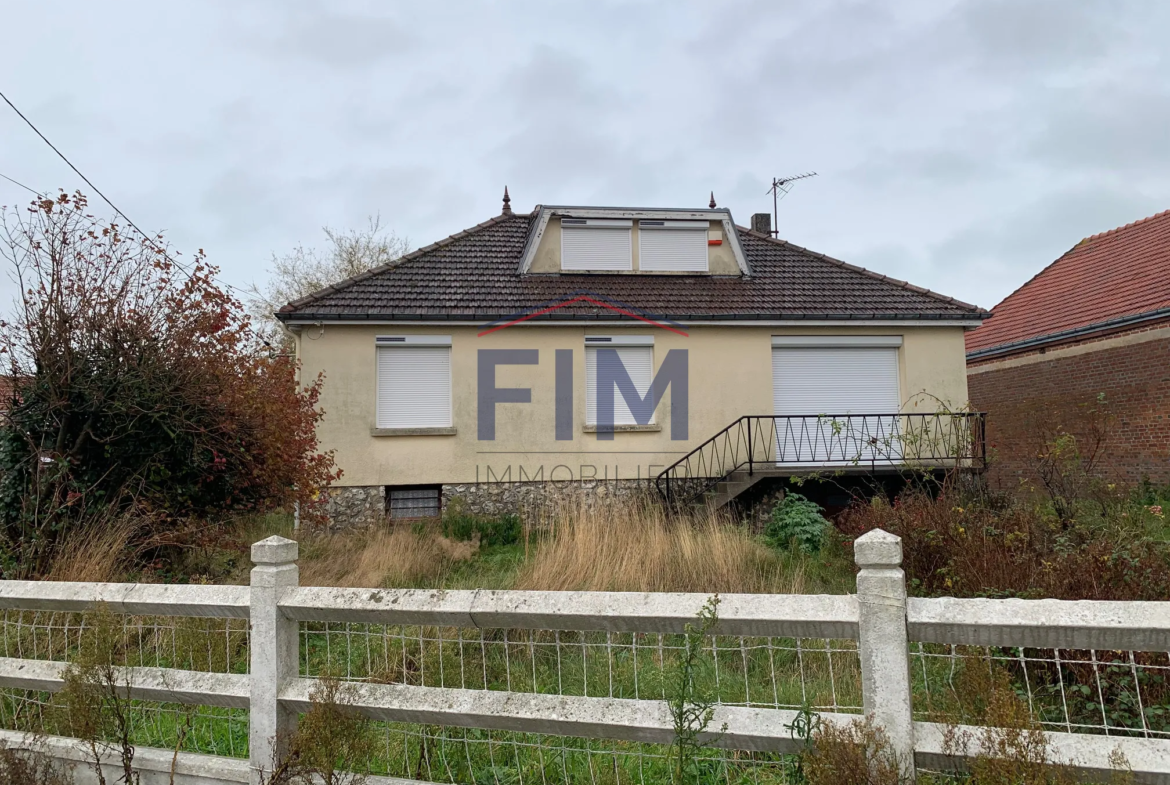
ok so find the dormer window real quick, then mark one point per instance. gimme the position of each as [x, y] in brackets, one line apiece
[673, 246]
[596, 244]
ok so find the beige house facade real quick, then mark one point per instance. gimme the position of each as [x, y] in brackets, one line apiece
[481, 366]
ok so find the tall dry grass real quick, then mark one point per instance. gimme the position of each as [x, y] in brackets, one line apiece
[397, 557]
[624, 545]
[99, 552]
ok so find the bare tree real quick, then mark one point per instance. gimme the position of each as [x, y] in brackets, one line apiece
[302, 271]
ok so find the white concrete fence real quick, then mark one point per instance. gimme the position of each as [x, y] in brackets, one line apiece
[879, 617]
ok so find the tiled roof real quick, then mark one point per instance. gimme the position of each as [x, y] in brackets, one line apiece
[474, 275]
[1103, 278]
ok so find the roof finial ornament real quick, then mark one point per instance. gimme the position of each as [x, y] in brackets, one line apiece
[712, 203]
[507, 203]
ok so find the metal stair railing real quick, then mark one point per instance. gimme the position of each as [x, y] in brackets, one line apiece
[896, 442]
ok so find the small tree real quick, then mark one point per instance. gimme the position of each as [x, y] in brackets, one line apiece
[137, 383]
[303, 271]
[1069, 442]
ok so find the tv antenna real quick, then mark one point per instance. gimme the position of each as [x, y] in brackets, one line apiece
[780, 188]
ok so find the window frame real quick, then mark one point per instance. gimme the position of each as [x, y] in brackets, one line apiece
[598, 224]
[409, 343]
[390, 490]
[699, 228]
[618, 341]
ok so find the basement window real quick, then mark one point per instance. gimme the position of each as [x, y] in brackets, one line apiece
[589, 244]
[408, 502]
[673, 246]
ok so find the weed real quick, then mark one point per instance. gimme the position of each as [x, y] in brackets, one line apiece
[858, 753]
[30, 767]
[400, 557]
[691, 706]
[458, 524]
[630, 545]
[1009, 747]
[956, 545]
[796, 519]
[331, 743]
[99, 552]
[95, 695]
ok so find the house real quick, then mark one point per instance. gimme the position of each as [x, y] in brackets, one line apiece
[606, 348]
[1083, 346]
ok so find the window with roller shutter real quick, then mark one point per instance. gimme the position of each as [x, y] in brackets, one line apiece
[816, 376]
[637, 356]
[414, 381]
[596, 244]
[673, 246]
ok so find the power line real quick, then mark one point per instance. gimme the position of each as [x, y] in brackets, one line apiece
[22, 185]
[108, 201]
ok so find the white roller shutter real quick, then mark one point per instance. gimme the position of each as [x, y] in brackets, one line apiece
[596, 246]
[414, 387]
[837, 382]
[639, 364]
[666, 246]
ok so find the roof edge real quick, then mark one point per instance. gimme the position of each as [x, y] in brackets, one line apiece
[291, 307]
[1129, 225]
[478, 318]
[974, 309]
[1084, 331]
[1076, 247]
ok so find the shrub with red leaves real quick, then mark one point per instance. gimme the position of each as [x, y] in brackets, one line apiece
[137, 382]
[954, 545]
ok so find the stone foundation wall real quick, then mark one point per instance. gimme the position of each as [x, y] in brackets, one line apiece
[360, 506]
[355, 506]
[535, 500]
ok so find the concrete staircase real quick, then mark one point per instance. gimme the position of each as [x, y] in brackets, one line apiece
[726, 491]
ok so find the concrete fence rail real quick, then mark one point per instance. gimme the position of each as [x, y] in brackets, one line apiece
[885, 624]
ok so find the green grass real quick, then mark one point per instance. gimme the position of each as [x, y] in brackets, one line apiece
[494, 567]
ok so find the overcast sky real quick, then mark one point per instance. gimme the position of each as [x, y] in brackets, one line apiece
[960, 145]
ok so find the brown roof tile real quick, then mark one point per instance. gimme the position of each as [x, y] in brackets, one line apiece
[474, 275]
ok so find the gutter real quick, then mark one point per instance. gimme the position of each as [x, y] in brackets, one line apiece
[740, 317]
[1066, 335]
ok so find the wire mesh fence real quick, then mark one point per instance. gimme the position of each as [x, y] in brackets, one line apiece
[457, 755]
[215, 645]
[1114, 693]
[820, 674]
[205, 729]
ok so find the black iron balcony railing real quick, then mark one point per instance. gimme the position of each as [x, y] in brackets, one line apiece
[827, 442]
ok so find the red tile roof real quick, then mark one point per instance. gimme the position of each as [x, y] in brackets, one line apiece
[1115, 274]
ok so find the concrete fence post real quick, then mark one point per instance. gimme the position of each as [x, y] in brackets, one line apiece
[883, 644]
[274, 654]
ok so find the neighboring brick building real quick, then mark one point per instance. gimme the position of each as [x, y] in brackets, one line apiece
[1096, 322]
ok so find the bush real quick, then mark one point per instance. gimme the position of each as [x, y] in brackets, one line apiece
[963, 546]
[795, 518]
[136, 384]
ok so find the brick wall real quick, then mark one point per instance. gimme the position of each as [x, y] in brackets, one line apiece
[1135, 379]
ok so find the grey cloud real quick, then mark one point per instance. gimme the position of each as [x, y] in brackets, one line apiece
[1118, 129]
[1018, 244]
[962, 145]
[343, 41]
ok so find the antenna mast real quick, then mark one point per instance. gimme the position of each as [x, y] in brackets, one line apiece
[782, 185]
